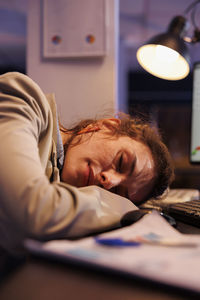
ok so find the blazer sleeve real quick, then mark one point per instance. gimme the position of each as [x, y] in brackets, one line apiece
[31, 206]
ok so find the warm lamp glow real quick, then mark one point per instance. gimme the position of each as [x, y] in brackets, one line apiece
[163, 62]
[163, 53]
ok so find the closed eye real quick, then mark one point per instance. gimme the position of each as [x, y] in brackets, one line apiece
[120, 163]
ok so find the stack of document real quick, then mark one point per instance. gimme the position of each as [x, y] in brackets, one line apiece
[150, 249]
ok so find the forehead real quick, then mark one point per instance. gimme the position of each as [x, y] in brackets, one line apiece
[142, 180]
[137, 186]
[140, 183]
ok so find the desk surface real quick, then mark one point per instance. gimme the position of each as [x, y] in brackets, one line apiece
[38, 278]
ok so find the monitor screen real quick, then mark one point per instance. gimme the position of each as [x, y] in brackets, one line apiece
[195, 122]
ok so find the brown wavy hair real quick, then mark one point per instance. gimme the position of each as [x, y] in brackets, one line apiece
[139, 130]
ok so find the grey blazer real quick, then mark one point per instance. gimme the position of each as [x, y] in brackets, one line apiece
[30, 204]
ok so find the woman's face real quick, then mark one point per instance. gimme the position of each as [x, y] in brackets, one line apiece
[122, 165]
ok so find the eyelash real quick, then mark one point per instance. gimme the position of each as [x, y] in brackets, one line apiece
[119, 165]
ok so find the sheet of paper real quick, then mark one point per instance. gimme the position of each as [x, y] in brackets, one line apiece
[177, 262]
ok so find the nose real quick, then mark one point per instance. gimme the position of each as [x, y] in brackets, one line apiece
[109, 179]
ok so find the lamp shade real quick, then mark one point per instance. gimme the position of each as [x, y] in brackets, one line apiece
[166, 55]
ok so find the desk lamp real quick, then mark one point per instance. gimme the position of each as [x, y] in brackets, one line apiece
[166, 55]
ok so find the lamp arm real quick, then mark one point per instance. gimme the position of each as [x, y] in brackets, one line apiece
[195, 38]
[191, 6]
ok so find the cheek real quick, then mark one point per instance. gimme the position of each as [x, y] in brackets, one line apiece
[74, 153]
[69, 165]
[66, 172]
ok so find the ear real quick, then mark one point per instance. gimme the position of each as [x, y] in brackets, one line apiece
[90, 128]
[111, 123]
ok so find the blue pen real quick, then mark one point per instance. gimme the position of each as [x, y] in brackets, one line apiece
[116, 242]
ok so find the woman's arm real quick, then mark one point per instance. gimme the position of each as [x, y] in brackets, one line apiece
[31, 206]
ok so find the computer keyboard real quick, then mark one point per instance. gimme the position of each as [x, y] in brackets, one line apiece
[173, 196]
[182, 204]
[188, 212]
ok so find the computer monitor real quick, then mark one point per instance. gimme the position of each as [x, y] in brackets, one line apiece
[195, 120]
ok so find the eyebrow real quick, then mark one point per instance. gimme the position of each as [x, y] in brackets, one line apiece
[132, 166]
